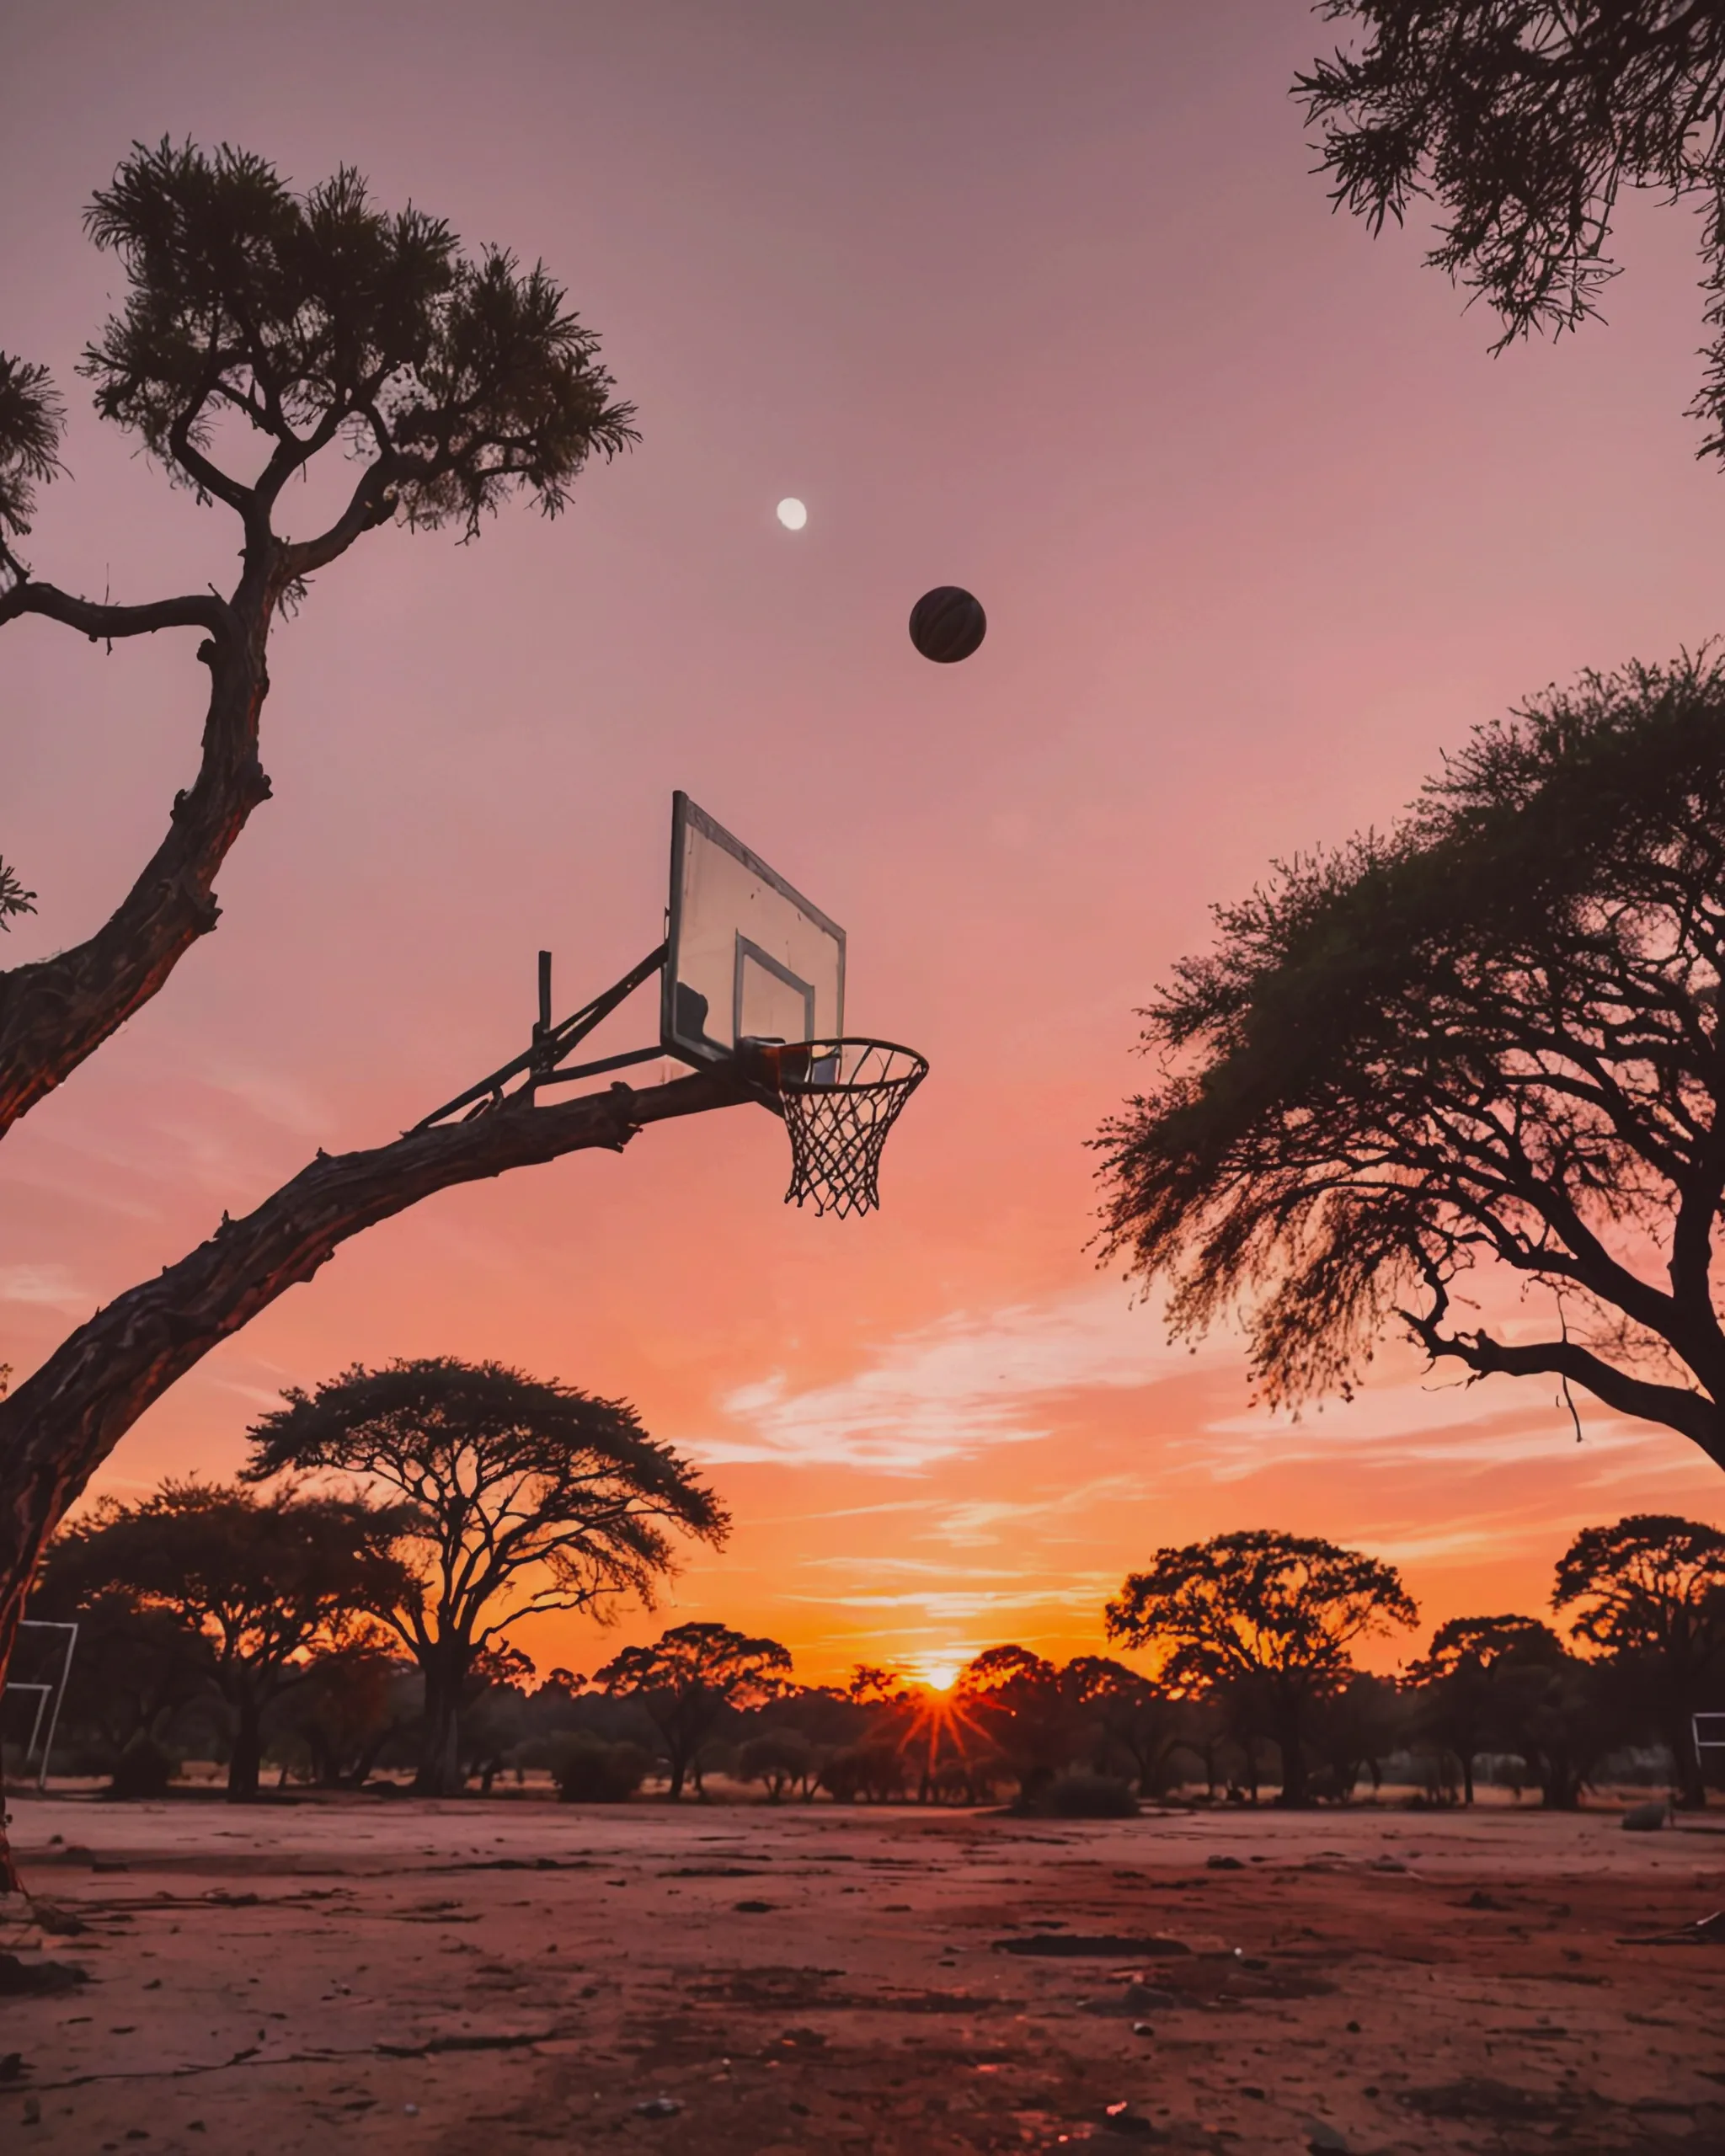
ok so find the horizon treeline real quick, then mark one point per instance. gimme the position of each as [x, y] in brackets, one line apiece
[222, 1624]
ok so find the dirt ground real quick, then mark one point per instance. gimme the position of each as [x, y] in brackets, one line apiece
[495, 1976]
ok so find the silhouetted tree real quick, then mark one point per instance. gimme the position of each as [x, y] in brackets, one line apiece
[1560, 1718]
[265, 1582]
[1524, 123]
[1464, 1700]
[1356, 1730]
[779, 1760]
[1031, 1716]
[1491, 1040]
[345, 1713]
[136, 1668]
[1651, 1591]
[262, 333]
[875, 1770]
[492, 1718]
[1135, 1716]
[1277, 1612]
[589, 1769]
[520, 1496]
[690, 1680]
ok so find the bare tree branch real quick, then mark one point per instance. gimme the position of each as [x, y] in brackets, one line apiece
[97, 620]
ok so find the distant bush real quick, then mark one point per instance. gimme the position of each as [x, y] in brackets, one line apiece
[588, 1770]
[782, 1758]
[874, 1771]
[144, 1768]
[1085, 1796]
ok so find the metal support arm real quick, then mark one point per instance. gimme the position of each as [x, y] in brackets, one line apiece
[540, 1064]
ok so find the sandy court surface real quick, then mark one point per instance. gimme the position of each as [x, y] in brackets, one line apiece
[741, 1980]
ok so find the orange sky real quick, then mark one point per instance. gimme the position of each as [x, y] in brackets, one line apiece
[1039, 300]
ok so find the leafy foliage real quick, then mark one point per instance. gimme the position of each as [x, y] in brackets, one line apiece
[587, 1769]
[319, 318]
[1526, 122]
[1137, 1717]
[13, 897]
[690, 1680]
[522, 1495]
[1258, 1604]
[1650, 1596]
[1651, 1583]
[32, 420]
[1274, 1614]
[261, 1583]
[1488, 1038]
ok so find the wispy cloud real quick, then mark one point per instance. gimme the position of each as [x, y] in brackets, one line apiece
[1499, 1423]
[45, 1287]
[968, 1381]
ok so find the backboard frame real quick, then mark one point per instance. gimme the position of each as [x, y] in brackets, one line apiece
[676, 1040]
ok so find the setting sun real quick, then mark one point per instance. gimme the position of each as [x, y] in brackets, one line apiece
[942, 1676]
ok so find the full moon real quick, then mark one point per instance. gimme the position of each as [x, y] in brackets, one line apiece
[791, 513]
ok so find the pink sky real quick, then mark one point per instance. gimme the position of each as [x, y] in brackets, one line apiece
[1039, 300]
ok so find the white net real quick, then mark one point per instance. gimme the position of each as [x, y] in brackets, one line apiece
[839, 1099]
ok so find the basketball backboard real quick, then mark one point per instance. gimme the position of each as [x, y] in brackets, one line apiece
[747, 958]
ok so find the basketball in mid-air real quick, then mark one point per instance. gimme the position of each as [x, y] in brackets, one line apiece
[947, 624]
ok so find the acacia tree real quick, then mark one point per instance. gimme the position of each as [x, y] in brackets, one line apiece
[690, 1680]
[1275, 1615]
[1524, 123]
[266, 1583]
[1486, 1047]
[1651, 1591]
[264, 332]
[519, 1496]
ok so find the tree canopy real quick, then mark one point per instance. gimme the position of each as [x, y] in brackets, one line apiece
[261, 331]
[519, 1496]
[1486, 1043]
[263, 1582]
[1649, 1592]
[690, 1680]
[1276, 1613]
[1525, 123]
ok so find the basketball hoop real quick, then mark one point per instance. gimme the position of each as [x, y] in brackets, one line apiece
[839, 1099]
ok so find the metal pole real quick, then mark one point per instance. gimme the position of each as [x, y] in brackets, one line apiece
[59, 1702]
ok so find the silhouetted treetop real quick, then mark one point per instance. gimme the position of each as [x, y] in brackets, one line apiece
[1488, 1037]
[505, 1474]
[32, 418]
[1524, 123]
[316, 316]
[1255, 1603]
[1645, 1580]
[1483, 1643]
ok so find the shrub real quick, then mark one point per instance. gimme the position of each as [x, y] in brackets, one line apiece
[144, 1768]
[1086, 1797]
[587, 1770]
[779, 1757]
[874, 1771]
